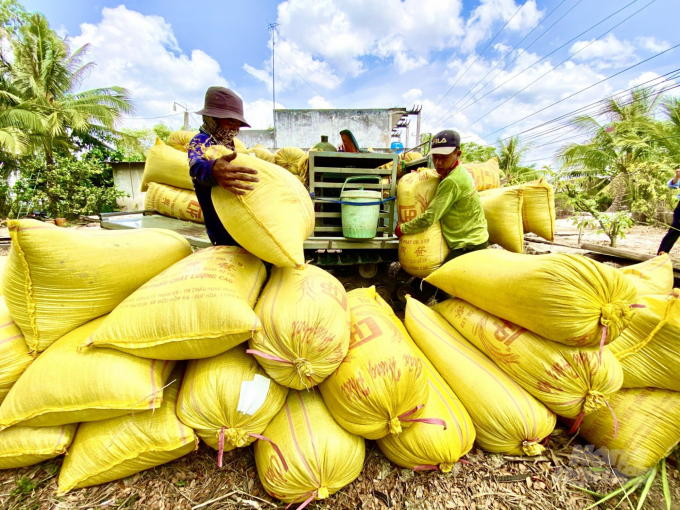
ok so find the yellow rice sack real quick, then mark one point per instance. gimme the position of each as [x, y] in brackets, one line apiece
[174, 202]
[180, 140]
[425, 446]
[568, 380]
[14, 356]
[108, 450]
[25, 446]
[306, 323]
[486, 175]
[57, 279]
[538, 210]
[291, 158]
[228, 400]
[273, 220]
[507, 418]
[3, 263]
[648, 429]
[380, 386]
[66, 386]
[263, 154]
[653, 277]
[166, 165]
[422, 253]
[503, 212]
[200, 307]
[648, 349]
[318, 456]
[565, 298]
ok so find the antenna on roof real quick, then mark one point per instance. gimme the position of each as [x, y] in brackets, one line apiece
[272, 29]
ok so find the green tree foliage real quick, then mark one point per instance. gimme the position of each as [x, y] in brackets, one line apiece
[68, 188]
[138, 141]
[510, 156]
[47, 121]
[475, 153]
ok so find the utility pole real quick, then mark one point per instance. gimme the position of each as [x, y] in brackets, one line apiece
[186, 114]
[272, 29]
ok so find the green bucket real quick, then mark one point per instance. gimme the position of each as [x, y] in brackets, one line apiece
[360, 221]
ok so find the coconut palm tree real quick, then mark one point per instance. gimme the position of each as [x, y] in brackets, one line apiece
[510, 156]
[49, 75]
[616, 148]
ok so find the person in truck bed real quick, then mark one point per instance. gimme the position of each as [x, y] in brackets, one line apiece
[674, 232]
[222, 119]
[456, 203]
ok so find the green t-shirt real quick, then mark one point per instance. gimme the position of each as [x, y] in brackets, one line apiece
[458, 206]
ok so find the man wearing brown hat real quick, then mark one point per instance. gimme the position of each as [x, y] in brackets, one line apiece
[222, 119]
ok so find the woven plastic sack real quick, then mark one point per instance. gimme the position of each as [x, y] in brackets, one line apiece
[180, 140]
[3, 263]
[565, 298]
[108, 450]
[425, 446]
[648, 349]
[653, 277]
[305, 318]
[173, 202]
[57, 279]
[25, 446]
[643, 429]
[228, 400]
[380, 386]
[66, 386]
[200, 307]
[507, 418]
[320, 457]
[570, 381]
[291, 158]
[273, 220]
[503, 212]
[486, 175]
[14, 356]
[422, 253]
[166, 165]
[263, 154]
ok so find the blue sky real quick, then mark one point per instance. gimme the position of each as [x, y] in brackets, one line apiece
[374, 53]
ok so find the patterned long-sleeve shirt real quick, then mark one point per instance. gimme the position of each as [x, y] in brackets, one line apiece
[200, 170]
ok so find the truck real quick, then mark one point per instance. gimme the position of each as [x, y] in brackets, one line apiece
[355, 262]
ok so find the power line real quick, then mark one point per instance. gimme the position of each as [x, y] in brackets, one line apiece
[510, 53]
[668, 77]
[475, 60]
[549, 54]
[582, 90]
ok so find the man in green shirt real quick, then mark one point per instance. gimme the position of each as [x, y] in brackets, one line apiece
[456, 204]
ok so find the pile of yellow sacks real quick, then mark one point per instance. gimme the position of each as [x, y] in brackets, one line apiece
[168, 185]
[123, 350]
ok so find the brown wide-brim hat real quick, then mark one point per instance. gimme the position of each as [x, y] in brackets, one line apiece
[222, 103]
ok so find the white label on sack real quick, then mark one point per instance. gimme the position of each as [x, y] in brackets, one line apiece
[253, 394]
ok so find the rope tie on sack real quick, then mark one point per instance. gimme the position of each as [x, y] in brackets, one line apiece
[302, 366]
[238, 438]
[615, 317]
[532, 447]
[320, 493]
[593, 401]
[599, 401]
[637, 348]
[394, 425]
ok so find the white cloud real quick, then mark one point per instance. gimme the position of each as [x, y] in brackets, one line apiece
[259, 113]
[412, 96]
[502, 48]
[141, 53]
[294, 68]
[319, 103]
[483, 20]
[607, 52]
[61, 31]
[652, 44]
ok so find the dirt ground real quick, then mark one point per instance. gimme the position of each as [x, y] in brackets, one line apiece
[489, 481]
[641, 238]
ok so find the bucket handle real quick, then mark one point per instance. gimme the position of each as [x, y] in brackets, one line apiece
[382, 187]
